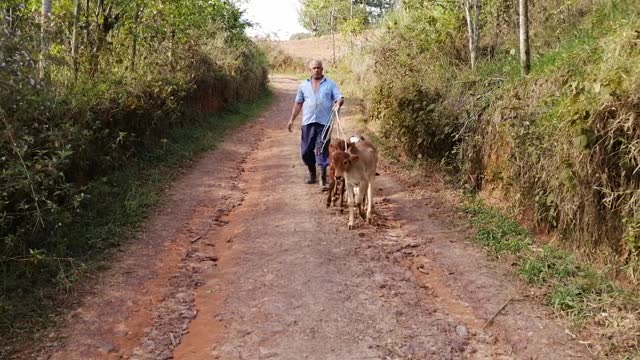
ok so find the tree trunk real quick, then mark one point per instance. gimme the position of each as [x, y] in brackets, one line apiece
[105, 21]
[44, 37]
[74, 39]
[351, 20]
[333, 35]
[98, 38]
[496, 31]
[7, 18]
[473, 29]
[477, 5]
[134, 41]
[525, 54]
[87, 23]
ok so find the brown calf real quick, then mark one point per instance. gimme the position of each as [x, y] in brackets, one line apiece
[358, 167]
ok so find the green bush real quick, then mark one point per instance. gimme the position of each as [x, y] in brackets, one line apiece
[562, 142]
[64, 129]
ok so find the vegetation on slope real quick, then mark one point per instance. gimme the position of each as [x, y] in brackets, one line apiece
[90, 90]
[562, 140]
[560, 144]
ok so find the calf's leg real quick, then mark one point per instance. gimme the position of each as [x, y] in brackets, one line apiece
[332, 186]
[370, 199]
[341, 189]
[362, 195]
[350, 203]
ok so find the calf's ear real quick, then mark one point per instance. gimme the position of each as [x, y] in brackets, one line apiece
[354, 158]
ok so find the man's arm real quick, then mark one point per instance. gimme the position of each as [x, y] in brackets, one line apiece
[337, 95]
[294, 113]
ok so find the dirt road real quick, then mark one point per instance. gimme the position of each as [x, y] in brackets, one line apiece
[245, 262]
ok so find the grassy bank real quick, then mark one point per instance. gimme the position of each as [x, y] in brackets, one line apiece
[113, 207]
[603, 315]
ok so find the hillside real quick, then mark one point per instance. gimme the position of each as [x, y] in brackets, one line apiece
[292, 55]
[557, 149]
[315, 48]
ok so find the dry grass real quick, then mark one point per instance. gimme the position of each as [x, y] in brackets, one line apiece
[314, 48]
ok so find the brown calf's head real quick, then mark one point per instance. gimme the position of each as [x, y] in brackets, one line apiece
[336, 145]
[342, 162]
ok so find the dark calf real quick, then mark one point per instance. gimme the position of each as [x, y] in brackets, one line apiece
[336, 186]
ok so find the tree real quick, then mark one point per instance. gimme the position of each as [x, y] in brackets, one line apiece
[525, 55]
[74, 39]
[323, 17]
[473, 27]
[134, 36]
[44, 37]
[376, 9]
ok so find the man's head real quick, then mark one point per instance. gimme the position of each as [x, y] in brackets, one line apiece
[315, 66]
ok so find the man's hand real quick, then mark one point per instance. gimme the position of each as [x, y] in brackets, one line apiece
[289, 125]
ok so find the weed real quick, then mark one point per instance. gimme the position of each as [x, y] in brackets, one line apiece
[498, 233]
[547, 264]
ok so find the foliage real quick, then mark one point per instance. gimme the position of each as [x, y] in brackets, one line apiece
[564, 139]
[322, 17]
[559, 147]
[401, 99]
[141, 70]
[114, 205]
[561, 142]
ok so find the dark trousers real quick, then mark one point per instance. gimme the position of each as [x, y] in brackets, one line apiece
[311, 145]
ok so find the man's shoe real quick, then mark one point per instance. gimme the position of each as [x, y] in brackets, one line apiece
[323, 178]
[311, 178]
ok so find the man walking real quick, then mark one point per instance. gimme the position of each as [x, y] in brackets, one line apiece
[317, 97]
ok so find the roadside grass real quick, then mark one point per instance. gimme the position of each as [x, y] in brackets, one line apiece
[577, 292]
[114, 208]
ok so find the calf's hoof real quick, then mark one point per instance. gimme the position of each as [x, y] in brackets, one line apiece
[350, 226]
[369, 220]
[362, 213]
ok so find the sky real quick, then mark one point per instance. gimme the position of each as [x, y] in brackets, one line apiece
[278, 18]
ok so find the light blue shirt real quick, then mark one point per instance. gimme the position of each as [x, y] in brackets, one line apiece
[317, 106]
